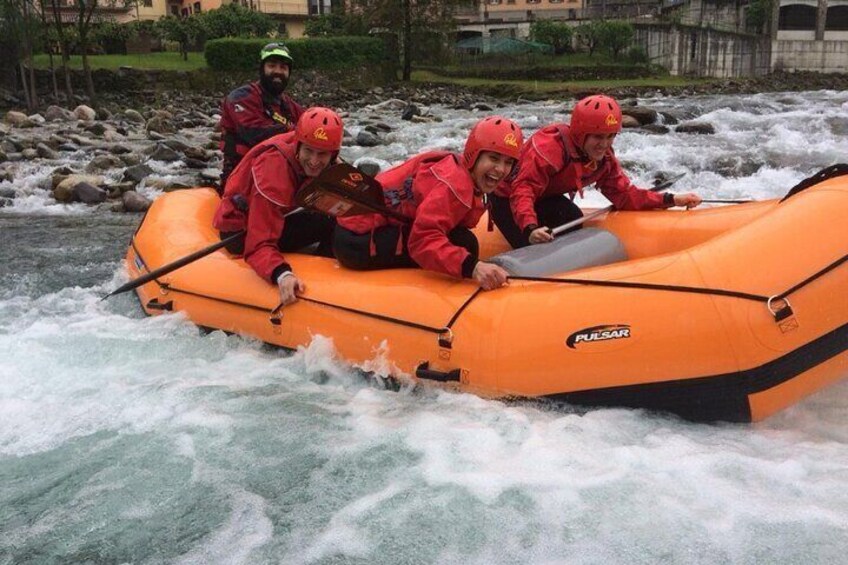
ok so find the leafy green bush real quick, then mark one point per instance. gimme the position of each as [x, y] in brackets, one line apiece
[637, 56]
[233, 54]
[615, 36]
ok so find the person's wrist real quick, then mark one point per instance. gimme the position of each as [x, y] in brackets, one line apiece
[283, 276]
[668, 199]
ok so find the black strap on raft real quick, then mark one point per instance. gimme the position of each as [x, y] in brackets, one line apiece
[777, 304]
[827, 173]
[445, 333]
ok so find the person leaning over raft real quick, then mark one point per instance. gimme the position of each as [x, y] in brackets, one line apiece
[262, 190]
[563, 158]
[256, 111]
[443, 195]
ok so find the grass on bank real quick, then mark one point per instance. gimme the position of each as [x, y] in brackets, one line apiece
[166, 61]
[543, 86]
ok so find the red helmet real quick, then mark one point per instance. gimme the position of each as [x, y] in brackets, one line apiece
[594, 114]
[320, 128]
[496, 134]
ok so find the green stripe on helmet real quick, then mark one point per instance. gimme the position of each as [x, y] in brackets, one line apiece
[276, 50]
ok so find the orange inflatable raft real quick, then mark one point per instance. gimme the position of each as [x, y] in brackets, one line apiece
[728, 313]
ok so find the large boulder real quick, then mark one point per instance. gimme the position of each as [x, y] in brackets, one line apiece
[85, 113]
[89, 194]
[164, 153]
[158, 124]
[134, 202]
[137, 173]
[703, 128]
[134, 116]
[641, 114]
[64, 191]
[366, 138]
[58, 114]
[103, 162]
[18, 119]
[45, 152]
[629, 122]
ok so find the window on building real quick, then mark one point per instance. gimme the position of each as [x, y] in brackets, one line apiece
[556, 1]
[147, 3]
[197, 7]
[175, 10]
[510, 1]
[534, 1]
[572, 14]
[493, 2]
[797, 17]
[837, 18]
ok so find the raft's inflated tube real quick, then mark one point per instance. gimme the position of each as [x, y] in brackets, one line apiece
[587, 247]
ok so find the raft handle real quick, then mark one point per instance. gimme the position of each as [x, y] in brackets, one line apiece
[423, 371]
[781, 313]
[154, 304]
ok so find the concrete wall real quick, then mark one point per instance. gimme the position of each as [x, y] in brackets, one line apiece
[820, 56]
[693, 51]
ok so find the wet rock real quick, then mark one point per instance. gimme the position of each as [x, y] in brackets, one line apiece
[58, 114]
[194, 163]
[5, 202]
[176, 144]
[103, 162]
[3, 156]
[117, 207]
[669, 119]
[89, 194]
[410, 111]
[103, 114]
[134, 116]
[7, 193]
[18, 120]
[38, 119]
[45, 152]
[196, 153]
[64, 191]
[118, 149]
[391, 104]
[212, 175]
[59, 174]
[366, 138]
[164, 153]
[703, 128]
[117, 189]
[134, 202]
[29, 154]
[482, 107]
[629, 122]
[656, 128]
[838, 126]
[424, 119]
[641, 114]
[96, 128]
[85, 113]
[156, 136]
[174, 186]
[137, 173]
[158, 124]
[131, 159]
[80, 140]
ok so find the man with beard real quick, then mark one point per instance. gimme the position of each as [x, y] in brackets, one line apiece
[254, 112]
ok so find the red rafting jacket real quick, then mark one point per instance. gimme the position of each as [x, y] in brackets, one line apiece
[437, 192]
[249, 115]
[551, 164]
[267, 179]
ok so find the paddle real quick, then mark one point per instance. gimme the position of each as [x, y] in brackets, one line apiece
[182, 262]
[600, 212]
[344, 190]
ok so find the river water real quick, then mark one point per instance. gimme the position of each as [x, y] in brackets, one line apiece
[126, 439]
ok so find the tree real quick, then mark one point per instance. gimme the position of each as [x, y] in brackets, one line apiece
[184, 30]
[556, 34]
[335, 24]
[19, 25]
[758, 15]
[61, 36]
[233, 20]
[589, 35]
[410, 20]
[615, 36]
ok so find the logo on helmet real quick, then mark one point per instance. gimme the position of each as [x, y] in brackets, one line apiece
[319, 133]
[611, 121]
[509, 139]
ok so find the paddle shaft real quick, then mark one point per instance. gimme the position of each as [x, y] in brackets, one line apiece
[600, 212]
[182, 262]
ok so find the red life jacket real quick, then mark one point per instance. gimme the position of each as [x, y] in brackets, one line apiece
[232, 212]
[397, 193]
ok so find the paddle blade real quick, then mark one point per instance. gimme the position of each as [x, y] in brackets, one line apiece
[349, 180]
[330, 202]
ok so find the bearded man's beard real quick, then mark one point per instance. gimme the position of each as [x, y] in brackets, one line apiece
[272, 86]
